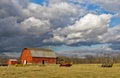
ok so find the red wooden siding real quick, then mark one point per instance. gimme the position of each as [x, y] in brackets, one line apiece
[46, 60]
[26, 56]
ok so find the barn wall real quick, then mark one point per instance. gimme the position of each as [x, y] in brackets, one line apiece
[46, 60]
[26, 56]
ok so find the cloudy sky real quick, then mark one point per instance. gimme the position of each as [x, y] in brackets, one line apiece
[66, 26]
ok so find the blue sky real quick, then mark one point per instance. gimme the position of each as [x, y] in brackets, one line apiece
[115, 21]
[65, 26]
[40, 1]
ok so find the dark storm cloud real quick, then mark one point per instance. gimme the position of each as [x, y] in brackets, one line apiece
[9, 27]
[12, 8]
[17, 30]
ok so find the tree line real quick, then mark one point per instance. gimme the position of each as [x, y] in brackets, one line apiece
[99, 58]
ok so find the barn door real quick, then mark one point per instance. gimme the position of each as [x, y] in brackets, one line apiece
[43, 62]
[25, 62]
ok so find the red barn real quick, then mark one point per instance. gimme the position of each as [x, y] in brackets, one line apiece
[37, 56]
[12, 61]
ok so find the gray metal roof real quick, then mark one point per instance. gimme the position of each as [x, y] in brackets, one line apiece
[13, 59]
[36, 52]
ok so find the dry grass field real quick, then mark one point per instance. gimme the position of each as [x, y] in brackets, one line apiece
[54, 71]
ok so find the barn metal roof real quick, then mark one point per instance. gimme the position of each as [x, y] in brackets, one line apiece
[37, 52]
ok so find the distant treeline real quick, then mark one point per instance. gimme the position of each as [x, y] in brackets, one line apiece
[98, 58]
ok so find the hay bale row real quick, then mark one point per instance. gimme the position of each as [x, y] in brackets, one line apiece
[107, 65]
[65, 64]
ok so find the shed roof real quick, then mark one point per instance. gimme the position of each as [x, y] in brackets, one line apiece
[13, 59]
[38, 52]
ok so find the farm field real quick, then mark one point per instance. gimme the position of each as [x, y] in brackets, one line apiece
[54, 71]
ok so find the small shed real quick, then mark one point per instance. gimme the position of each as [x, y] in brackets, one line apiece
[37, 56]
[12, 61]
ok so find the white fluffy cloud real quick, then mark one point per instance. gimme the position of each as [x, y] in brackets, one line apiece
[57, 1]
[35, 26]
[59, 14]
[88, 28]
[112, 36]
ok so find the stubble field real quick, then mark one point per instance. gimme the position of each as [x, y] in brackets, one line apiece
[54, 71]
